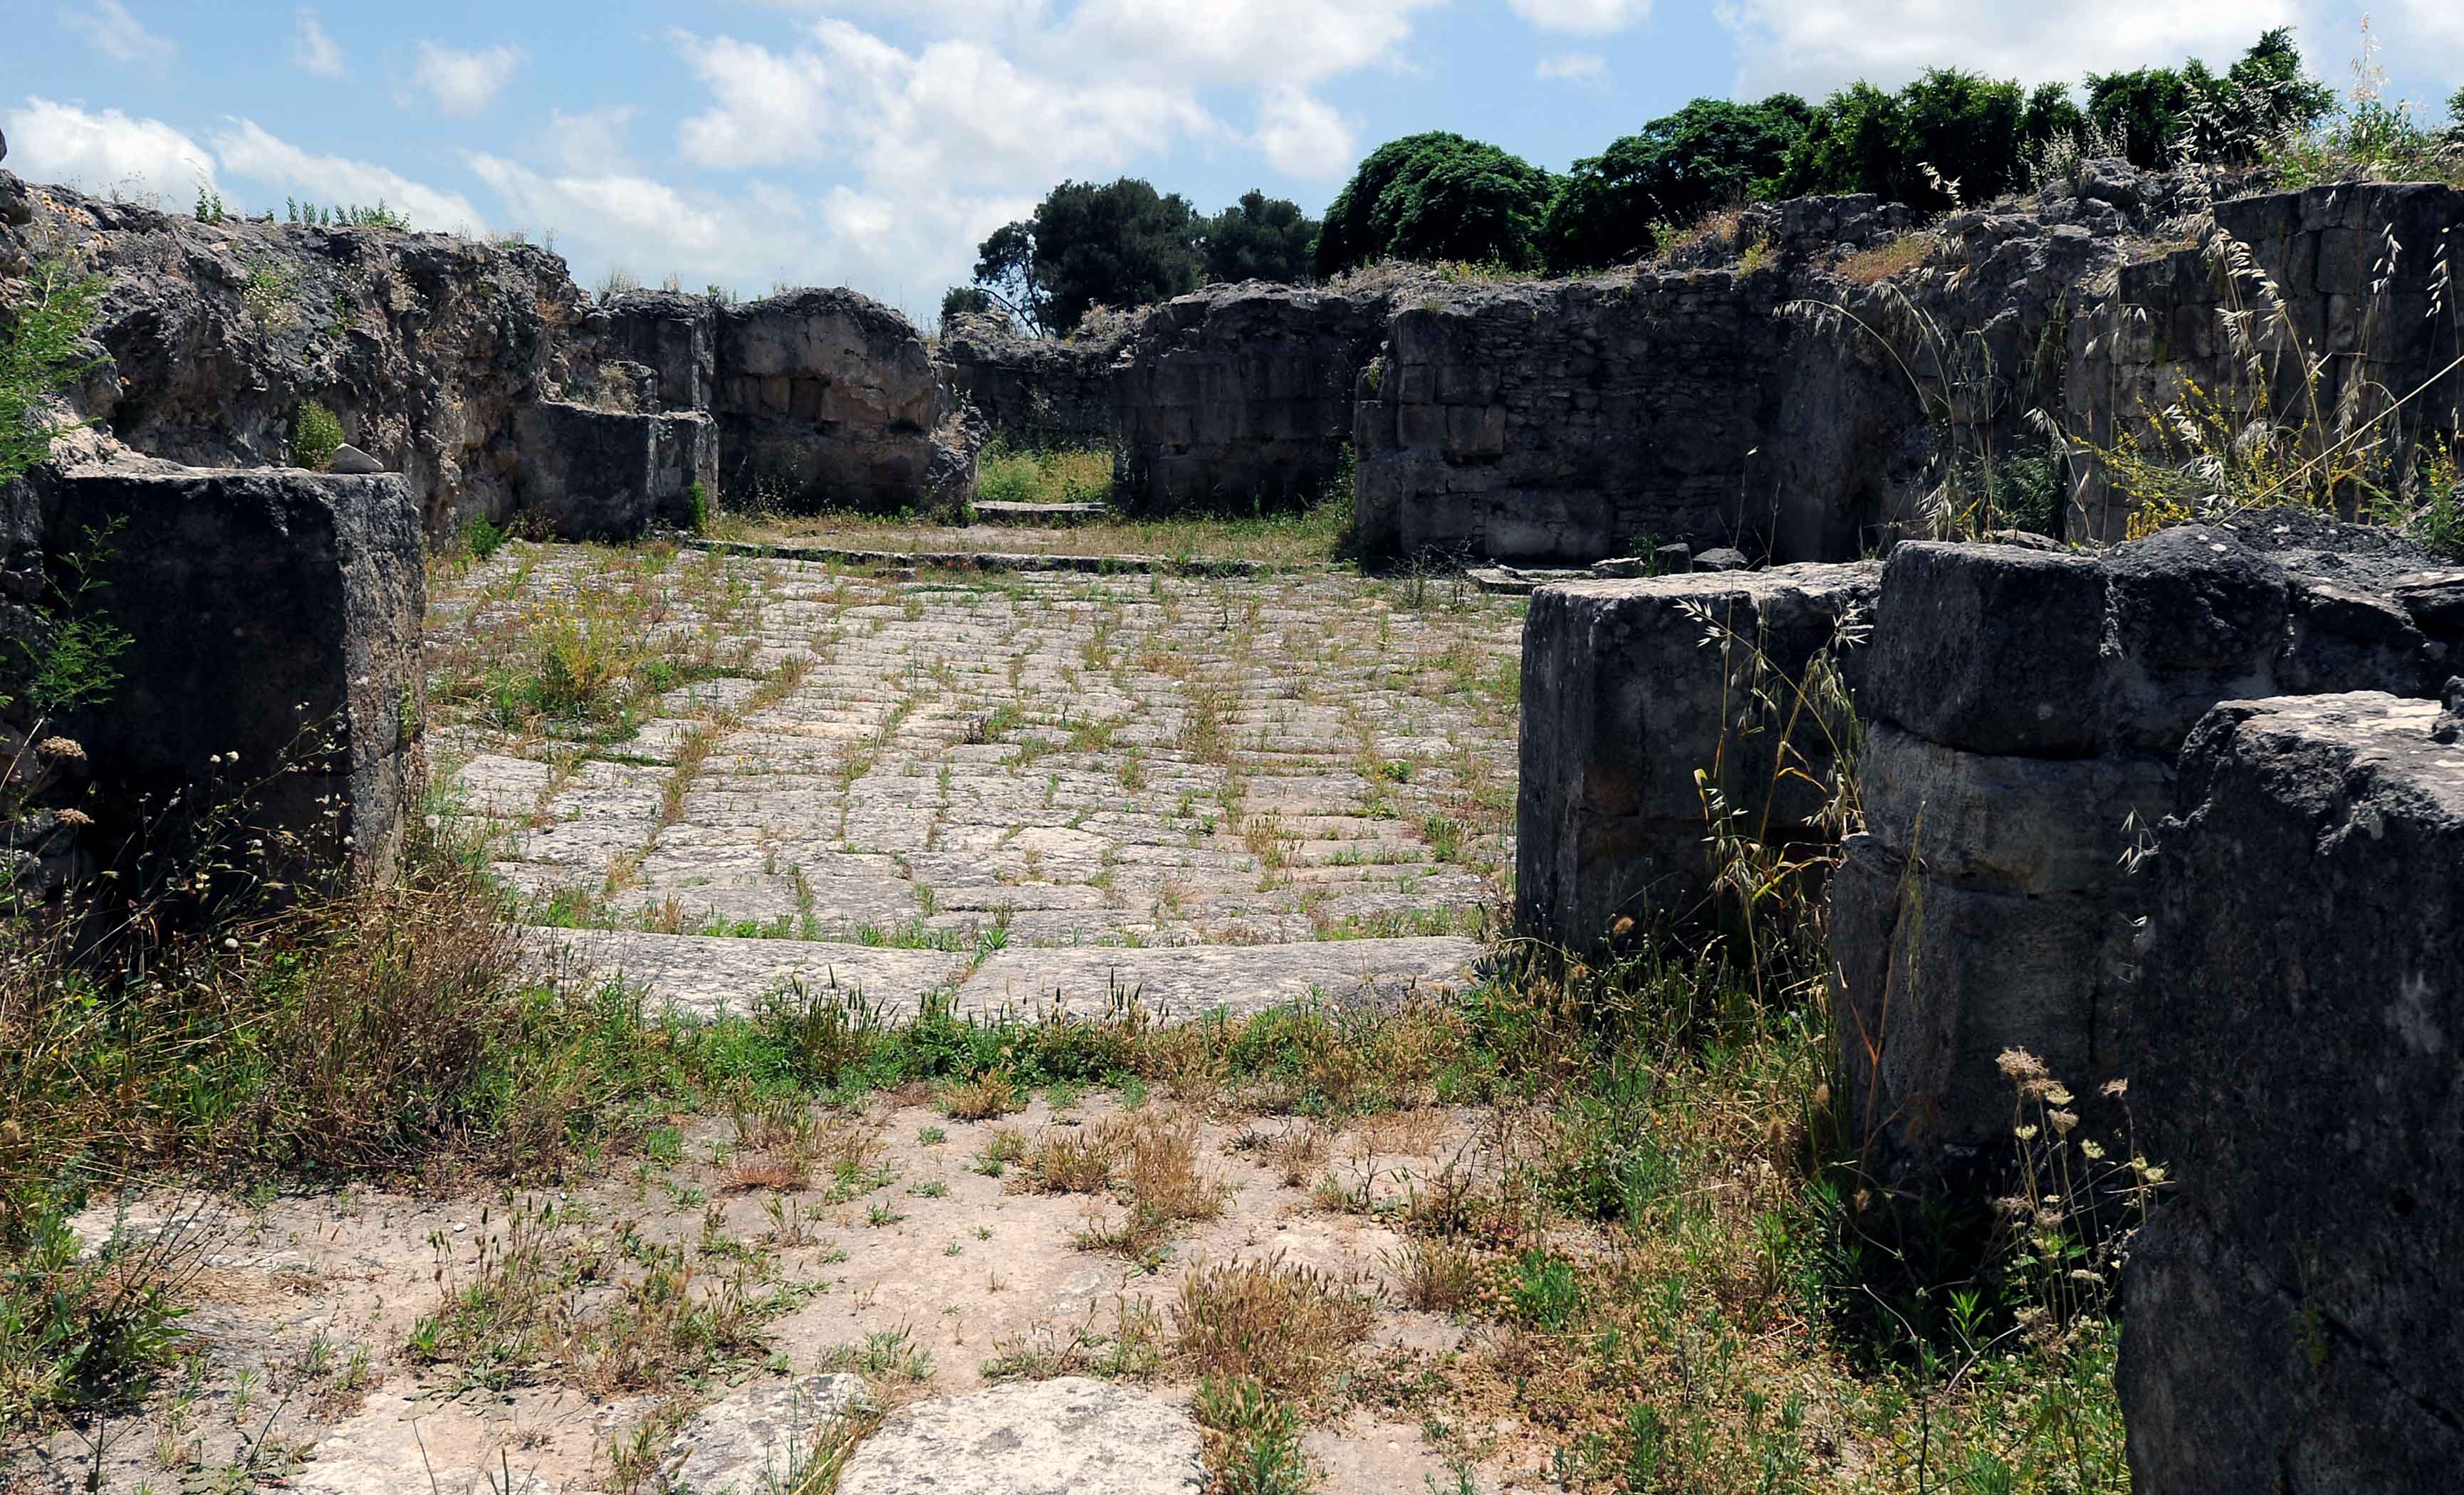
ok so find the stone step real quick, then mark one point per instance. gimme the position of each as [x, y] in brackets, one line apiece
[711, 975]
[999, 511]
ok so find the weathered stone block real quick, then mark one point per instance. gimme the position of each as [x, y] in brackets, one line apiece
[2290, 1313]
[826, 399]
[600, 474]
[1991, 649]
[1940, 976]
[1630, 687]
[1995, 649]
[274, 658]
[2028, 826]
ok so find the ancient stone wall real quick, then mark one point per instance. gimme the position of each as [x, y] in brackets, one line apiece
[828, 399]
[1775, 389]
[2289, 1312]
[1630, 687]
[424, 345]
[1239, 398]
[616, 475]
[1034, 394]
[1567, 420]
[2025, 710]
[273, 665]
[435, 353]
[2353, 281]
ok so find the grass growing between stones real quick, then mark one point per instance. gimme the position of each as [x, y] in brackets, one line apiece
[1314, 536]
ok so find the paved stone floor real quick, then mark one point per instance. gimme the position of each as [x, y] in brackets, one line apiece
[722, 773]
[986, 769]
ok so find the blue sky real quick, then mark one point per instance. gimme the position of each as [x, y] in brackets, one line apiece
[873, 142]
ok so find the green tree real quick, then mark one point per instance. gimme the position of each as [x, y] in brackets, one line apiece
[1258, 239]
[964, 301]
[1852, 144]
[1675, 168]
[2162, 115]
[1437, 196]
[1947, 129]
[1118, 244]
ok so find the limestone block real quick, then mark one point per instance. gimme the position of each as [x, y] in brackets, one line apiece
[274, 619]
[1939, 977]
[2027, 826]
[1988, 647]
[1998, 650]
[1629, 687]
[1061, 1436]
[600, 474]
[2290, 1314]
[757, 1441]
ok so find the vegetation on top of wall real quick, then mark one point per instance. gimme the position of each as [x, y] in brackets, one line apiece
[1623, 203]
[1437, 196]
[1123, 244]
[39, 356]
[315, 434]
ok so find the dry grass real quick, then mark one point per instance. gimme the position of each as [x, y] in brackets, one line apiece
[1298, 1154]
[1075, 1160]
[984, 1098]
[1438, 1275]
[1291, 1329]
[1879, 262]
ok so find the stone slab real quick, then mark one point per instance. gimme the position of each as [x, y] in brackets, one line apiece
[758, 1441]
[714, 975]
[1179, 982]
[1070, 1436]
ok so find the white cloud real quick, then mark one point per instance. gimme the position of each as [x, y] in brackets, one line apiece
[105, 152]
[250, 150]
[1303, 137]
[771, 108]
[1268, 43]
[592, 139]
[313, 50]
[1590, 17]
[958, 111]
[1814, 46]
[110, 30]
[918, 241]
[465, 83]
[2429, 34]
[1573, 65]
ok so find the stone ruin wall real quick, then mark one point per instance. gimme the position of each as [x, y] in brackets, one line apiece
[1761, 390]
[2172, 812]
[1239, 398]
[485, 377]
[1035, 394]
[2356, 277]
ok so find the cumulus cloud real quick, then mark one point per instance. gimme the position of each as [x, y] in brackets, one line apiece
[1814, 46]
[591, 140]
[1303, 137]
[110, 30]
[1268, 43]
[919, 241]
[248, 149]
[2429, 34]
[1590, 17]
[768, 107]
[465, 83]
[103, 152]
[955, 111]
[312, 51]
[1573, 65]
